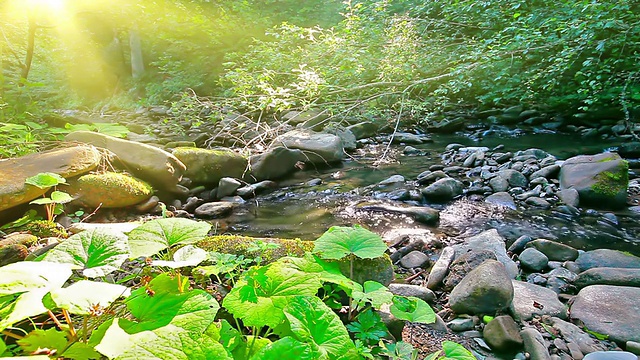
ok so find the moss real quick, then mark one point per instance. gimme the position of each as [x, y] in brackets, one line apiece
[111, 189]
[44, 228]
[239, 245]
[610, 183]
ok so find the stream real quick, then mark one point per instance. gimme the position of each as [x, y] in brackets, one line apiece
[302, 208]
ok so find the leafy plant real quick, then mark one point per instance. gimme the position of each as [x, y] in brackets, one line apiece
[53, 203]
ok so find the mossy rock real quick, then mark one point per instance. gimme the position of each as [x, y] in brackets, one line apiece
[43, 229]
[207, 167]
[110, 190]
[378, 269]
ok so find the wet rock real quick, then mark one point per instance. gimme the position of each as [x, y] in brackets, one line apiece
[275, 163]
[547, 172]
[109, 190]
[67, 162]
[534, 344]
[318, 148]
[440, 268]
[607, 258]
[410, 150]
[227, 186]
[601, 180]
[630, 150]
[569, 197]
[485, 290]
[214, 210]
[461, 324]
[406, 138]
[392, 180]
[499, 184]
[492, 241]
[520, 244]
[554, 251]
[608, 276]
[463, 264]
[420, 292]
[422, 214]
[443, 190]
[531, 300]
[515, 178]
[533, 259]
[538, 202]
[256, 189]
[149, 163]
[502, 334]
[572, 334]
[610, 310]
[428, 176]
[207, 167]
[414, 259]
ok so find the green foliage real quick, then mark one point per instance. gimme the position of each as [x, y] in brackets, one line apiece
[155, 236]
[452, 351]
[53, 203]
[340, 241]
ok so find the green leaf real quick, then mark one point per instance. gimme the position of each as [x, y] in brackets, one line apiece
[315, 323]
[260, 297]
[455, 351]
[157, 235]
[26, 305]
[340, 241]
[185, 256]
[412, 309]
[41, 201]
[230, 337]
[81, 351]
[98, 251]
[3, 347]
[399, 351]
[60, 197]
[43, 339]
[164, 302]
[368, 327]
[374, 293]
[249, 347]
[286, 348]
[45, 180]
[323, 270]
[26, 276]
[80, 297]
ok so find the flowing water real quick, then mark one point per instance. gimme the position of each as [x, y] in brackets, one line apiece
[300, 210]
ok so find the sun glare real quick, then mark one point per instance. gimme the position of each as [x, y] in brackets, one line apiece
[55, 5]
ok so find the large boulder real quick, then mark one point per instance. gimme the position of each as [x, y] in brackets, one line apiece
[607, 258]
[207, 167]
[487, 289]
[109, 190]
[147, 162]
[609, 310]
[601, 180]
[310, 119]
[67, 162]
[443, 190]
[275, 163]
[318, 148]
[608, 276]
[531, 300]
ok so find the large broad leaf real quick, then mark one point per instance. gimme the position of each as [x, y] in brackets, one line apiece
[259, 298]
[57, 197]
[165, 301]
[315, 323]
[323, 270]
[98, 251]
[26, 276]
[85, 296]
[51, 339]
[286, 348]
[340, 241]
[168, 342]
[26, 305]
[157, 235]
[185, 256]
[412, 309]
[45, 180]
[374, 293]
[452, 351]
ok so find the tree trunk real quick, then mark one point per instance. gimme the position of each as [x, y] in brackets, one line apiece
[31, 41]
[137, 61]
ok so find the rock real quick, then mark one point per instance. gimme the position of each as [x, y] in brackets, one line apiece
[601, 180]
[149, 205]
[554, 251]
[630, 150]
[533, 259]
[443, 190]
[347, 137]
[449, 125]
[109, 190]
[499, 184]
[607, 258]
[13, 253]
[633, 347]
[609, 310]
[608, 276]
[275, 163]
[534, 344]
[461, 324]
[428, 177]
[501, 199]
[113, 227]
[414, 259]
[487, 289]
[559, 280]
[420, 292]
[147, 162]
[611, 355]
[538, 202]
[440, 268]
[214, 210]
[422, 214]
[406, 138]
[492, 241]
[207, 167]
[531, 300]
[66, 162]
[515, 178]
[311, 119]
[318, 148]
[19, 239]
[520, 244]
[410, 150]
[363, 130]
[547, 172]
[569, 197]
[227, 186]
[573, 334]
[502, 334]
[463, 265]
[255, 189]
